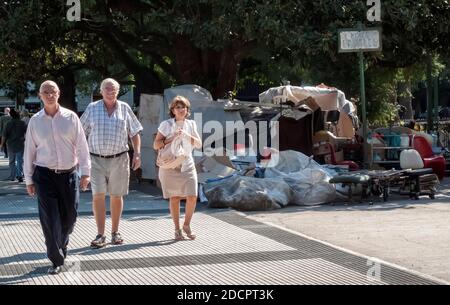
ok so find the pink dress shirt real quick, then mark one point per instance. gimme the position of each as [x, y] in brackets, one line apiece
[55, 142]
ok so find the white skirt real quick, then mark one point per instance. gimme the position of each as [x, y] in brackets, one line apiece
[176, 183]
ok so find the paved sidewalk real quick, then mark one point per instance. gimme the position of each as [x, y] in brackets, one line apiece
[231, 248]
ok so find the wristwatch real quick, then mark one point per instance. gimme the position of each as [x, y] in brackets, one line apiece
[137, 156]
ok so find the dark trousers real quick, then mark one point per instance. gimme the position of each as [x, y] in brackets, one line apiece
[5, 151]
[58, 198]
[15, 164]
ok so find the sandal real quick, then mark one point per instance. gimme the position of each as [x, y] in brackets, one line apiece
[116, 238]
[187, 230]
[179, 235]
[98, 242]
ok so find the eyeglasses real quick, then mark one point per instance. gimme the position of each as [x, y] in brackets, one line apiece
[49, 92]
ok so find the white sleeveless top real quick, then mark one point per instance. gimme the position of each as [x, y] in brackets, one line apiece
[168, 128]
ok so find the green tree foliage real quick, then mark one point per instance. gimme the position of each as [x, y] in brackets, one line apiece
[214, 43]
[37, 43]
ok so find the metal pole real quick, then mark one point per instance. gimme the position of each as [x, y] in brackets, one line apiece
[363, 100]
[429, 95]
[436, 103]
[363, 104]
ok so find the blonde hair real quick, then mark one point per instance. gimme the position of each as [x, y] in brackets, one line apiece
[179, 100]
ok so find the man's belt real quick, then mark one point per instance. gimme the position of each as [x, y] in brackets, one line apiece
[110, 156]
[59, 171]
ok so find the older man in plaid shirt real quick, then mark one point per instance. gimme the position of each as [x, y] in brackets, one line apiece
[108, 124]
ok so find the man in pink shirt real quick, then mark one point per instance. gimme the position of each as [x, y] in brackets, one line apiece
[55, 147]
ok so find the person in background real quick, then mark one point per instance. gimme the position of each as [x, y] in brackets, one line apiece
[411, 125]
[3, 120]
[25, 115]
[14, 137]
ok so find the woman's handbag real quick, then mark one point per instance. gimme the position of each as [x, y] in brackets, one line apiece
[171, 155]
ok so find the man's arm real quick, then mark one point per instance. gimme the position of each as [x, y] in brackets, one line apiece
[83, 157]
[3, 140]
[84, 119]
[133, 129]
[136, 140]
[28, 158]
[2, 136]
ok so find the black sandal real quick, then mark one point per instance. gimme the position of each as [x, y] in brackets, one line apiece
[98, 242]
[116, 238]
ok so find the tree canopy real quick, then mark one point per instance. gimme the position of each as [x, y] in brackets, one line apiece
[212, 43]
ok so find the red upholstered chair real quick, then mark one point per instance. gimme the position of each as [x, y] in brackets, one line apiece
[430, 160]
[326, 153]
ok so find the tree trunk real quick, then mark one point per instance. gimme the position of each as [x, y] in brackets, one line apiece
[404, 99]
[213, 70]
[227, 74]
[21, 90]
[20, 100]
[147, 82]
[67, 88]
[188, 61]
[417, 108]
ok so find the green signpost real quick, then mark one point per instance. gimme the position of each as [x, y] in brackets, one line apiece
[361, 40]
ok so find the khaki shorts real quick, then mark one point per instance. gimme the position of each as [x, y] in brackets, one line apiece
[111, 176]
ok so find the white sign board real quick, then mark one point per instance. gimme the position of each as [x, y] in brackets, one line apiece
[353, 40]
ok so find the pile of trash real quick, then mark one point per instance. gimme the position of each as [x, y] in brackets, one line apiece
[289, 178]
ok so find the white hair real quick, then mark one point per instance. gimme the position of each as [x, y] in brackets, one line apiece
[111, 81]
[48, 83]
[7, 110]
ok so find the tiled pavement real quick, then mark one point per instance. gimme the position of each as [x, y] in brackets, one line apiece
[230, 249]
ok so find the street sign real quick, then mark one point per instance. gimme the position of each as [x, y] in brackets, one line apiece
[354, 40]
[360, 40]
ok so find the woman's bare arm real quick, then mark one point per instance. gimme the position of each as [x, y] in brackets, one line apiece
[159, 141]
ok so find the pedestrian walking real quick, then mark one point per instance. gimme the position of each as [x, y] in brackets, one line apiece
[108, 124]
[55, 146]
[180, 182]
[3, 120]
[25, 116]
[14, 137]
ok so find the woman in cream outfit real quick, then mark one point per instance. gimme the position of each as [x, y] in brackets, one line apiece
[180, 182]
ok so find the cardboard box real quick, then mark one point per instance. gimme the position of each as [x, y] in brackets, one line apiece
[339, 156]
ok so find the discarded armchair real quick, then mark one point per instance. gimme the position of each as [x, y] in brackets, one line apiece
[430, 160]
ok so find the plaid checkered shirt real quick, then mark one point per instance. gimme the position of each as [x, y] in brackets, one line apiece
[108, 135]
